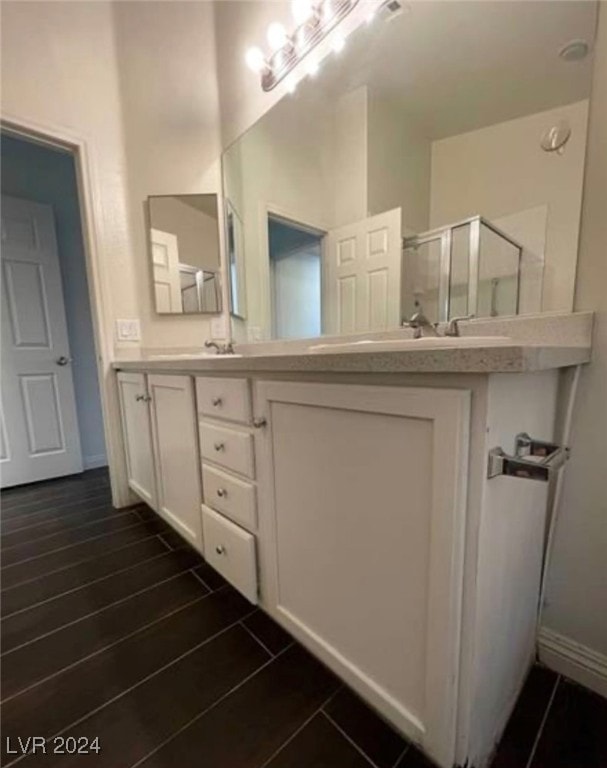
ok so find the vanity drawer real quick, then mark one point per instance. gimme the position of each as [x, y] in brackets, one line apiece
[227, 494]
[230, 448]
[224, 398]
[231, 551]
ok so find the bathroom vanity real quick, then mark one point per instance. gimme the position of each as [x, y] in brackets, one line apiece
[347, 492]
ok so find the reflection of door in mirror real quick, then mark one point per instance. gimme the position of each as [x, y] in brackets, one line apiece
[295, 253]
[165, 258]
[184, 245]
[363, 275]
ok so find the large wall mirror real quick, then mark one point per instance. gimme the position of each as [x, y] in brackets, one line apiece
[436, 161]
[184, 253]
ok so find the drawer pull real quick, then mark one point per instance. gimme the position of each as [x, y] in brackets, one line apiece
[219, 446]
[217, 401]
[222, 493]
[220, 549]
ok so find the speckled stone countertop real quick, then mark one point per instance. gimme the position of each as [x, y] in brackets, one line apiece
[486, 359]
[520, 344]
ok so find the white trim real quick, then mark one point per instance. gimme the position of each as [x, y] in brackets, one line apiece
[83, 151]
[92, 462]
[573, 660]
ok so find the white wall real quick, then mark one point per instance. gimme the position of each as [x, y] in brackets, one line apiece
[45, 176]
[501, 170]
[398, 162]
[170, 107]
[577, 588]
[59, 69]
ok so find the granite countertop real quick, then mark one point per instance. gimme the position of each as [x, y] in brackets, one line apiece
[512, 345]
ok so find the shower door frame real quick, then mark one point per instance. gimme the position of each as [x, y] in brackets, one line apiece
[445, 235]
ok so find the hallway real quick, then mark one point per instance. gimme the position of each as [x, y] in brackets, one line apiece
[113, 628]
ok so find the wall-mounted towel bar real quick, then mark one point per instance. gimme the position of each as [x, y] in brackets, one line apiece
[532, 460]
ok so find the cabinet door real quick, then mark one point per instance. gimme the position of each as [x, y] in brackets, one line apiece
[361, 520]
[176, 454]
[137, 435]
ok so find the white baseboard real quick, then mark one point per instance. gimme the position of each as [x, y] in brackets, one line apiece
[92, 462]
[573, 660]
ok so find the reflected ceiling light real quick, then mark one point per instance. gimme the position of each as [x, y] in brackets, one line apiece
[312, 68]
[315, 20]
[291, 84]
[302, 10]
[255, 59]
[277, 36]
[339, 43]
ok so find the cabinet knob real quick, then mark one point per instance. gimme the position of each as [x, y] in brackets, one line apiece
[260, 422]
[216, 401]
[220, 549]
[222, 493]
[139, 398]
[219, 446]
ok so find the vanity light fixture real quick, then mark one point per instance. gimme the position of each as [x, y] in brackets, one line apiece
[314, 19]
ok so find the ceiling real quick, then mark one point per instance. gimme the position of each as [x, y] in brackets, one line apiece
[459, 65]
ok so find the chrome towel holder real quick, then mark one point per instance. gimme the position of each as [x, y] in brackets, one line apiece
[547, 457]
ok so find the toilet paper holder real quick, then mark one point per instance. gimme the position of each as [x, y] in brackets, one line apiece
[533, 459]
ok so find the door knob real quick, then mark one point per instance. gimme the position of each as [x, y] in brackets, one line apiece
[63, 360]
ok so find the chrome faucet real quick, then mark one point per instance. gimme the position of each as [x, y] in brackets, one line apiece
[221, 349]
[421, 325]
[453, 326]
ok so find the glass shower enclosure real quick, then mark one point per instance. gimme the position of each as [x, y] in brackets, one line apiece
[468, 268]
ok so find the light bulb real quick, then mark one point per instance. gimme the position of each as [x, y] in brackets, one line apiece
[301, 10]
[291, 85]
[339, 43]
[276, 35]
[255, 59]
[312, 68]
[370, 16]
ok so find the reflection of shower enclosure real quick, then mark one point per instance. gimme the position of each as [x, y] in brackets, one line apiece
[468, 268]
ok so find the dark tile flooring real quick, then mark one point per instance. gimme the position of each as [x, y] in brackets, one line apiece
[113, 627]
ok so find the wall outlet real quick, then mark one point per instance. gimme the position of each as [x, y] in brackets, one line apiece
[219, 328]
[128, 330]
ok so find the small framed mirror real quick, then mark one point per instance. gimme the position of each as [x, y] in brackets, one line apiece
[236, 265]
[183, 236]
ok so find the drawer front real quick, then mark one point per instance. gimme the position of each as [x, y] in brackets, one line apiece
[230, 448]
[231, 496]
[224, 398]
[231, 551]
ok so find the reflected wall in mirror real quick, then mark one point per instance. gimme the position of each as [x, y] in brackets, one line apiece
[184, 253]
[418, 164]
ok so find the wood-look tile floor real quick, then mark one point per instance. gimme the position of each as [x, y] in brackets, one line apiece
[113, 628]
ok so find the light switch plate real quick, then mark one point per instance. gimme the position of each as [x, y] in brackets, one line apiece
[128, 330]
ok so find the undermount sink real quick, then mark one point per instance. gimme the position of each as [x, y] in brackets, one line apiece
[396, 345]
[192, 356]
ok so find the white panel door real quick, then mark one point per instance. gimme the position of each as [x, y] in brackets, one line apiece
[137, 434]
[165, 258]
[362, 274]
[174, 429]
[362, 498]
[39, 429]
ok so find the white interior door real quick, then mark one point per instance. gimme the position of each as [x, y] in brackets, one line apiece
[39, 429]
[165, 257]
[362, 274]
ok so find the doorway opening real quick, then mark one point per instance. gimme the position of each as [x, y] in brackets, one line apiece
[52, 422]
[296, 279]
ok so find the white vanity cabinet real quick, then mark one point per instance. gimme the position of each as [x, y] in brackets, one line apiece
[362, 512]
[161, 445]
[176, 454]
[137, 435]
[229, 511]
